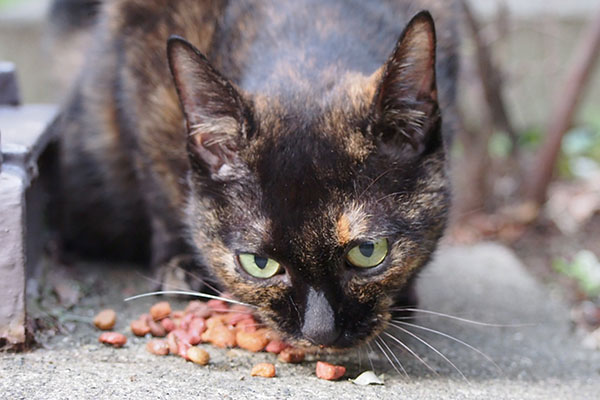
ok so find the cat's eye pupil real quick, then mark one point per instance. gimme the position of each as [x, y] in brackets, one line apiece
[366, 249]
[261, 262]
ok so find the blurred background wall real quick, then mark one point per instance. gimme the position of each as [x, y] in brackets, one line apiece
[540, 38]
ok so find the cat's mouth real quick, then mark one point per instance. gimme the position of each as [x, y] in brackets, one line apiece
[345, 340]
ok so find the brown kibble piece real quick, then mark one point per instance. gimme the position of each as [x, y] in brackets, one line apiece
[105, 319]
[185, 321]
[272, 335]
[276, 346]
[199, 309]
[113, 338]
[252, 341]
[160, 310]
[175, 340]
[215, 320]
[266, 370]
[157, 329]
[160, 347]
[140, 327]
[218, 306]
[183, 349]
[196, 329]
[168, 324]
[291, 355]
[329, 372]
[172, 342]
[247, 325]
[198, 355]
[235, 318]
[221, 336]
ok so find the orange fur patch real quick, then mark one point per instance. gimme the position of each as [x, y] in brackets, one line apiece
[343, 230]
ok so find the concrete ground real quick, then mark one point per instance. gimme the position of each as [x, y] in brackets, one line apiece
[541, 360]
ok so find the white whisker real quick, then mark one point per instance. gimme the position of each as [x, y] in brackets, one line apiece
[404, 346]
[481, 353]
[376, 341]
[469, 321]
[434, 349]
[394, 356]
[358, 350]
[186, 293]
[369, 356]
[203, 281]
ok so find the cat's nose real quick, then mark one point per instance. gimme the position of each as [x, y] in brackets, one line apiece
[319, 325]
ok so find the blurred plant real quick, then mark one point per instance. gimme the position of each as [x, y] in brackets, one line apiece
[580, 156]
[567, 101]
[497, 160]
[584, 269]
[4, 3]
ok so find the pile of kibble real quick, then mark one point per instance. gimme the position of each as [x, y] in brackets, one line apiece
[216, 322]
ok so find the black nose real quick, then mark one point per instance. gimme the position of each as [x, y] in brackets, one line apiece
[319, 325]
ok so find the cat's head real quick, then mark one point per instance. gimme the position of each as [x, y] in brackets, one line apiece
[318, 211]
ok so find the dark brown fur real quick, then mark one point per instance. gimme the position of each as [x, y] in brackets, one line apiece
[302, 139]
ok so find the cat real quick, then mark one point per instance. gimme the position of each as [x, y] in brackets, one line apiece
[296, 152]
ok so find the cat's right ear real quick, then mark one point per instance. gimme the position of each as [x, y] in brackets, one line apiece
[217, 116]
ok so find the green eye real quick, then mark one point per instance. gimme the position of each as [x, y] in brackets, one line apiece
[259, 267]
[368, 254]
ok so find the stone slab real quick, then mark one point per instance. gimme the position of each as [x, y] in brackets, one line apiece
[24, 134]
[9, 88]
[12, 257]
[23, 139]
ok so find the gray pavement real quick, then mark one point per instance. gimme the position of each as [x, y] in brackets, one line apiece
[543, 360]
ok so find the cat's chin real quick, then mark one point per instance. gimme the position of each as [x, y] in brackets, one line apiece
[341, 346]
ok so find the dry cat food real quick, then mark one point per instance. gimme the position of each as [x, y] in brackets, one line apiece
[198, 355]
[291, 355]
[159, 347]
[160, 310]
[113, 338]
[265, 370]
[105, 320]
[329, 372]
[215, 322]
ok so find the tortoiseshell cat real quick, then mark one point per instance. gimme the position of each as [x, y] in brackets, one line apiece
[287, 147]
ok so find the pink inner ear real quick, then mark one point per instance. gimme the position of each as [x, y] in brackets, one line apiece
[411, 70]
[427, 89]
[213, 108]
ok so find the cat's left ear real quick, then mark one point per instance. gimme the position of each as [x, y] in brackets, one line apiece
[405, 108]
[218, 118]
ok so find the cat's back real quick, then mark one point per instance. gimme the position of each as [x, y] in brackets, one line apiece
[270, 45]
